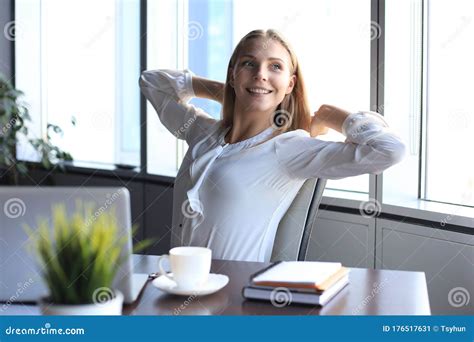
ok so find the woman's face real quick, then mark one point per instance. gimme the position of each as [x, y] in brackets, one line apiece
[261, 76]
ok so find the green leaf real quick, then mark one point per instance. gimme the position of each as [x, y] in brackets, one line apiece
[46, 163]
[14, 113]
[141, 245]
[82, 254]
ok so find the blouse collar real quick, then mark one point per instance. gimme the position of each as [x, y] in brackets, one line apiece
[263, 135]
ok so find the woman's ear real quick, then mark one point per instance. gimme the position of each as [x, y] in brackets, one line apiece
[291, 85]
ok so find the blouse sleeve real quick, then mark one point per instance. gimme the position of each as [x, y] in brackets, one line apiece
[370, 147]
[169, 92]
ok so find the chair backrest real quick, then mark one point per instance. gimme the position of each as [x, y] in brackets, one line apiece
[294, 230]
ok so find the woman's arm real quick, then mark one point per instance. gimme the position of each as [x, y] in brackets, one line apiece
[370, 146]
[169, 92]
[208, 89]
[326, 117]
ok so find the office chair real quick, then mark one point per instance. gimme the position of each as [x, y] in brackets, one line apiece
[294, 230]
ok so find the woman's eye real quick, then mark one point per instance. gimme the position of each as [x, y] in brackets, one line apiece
[247, 63]
[276, 66]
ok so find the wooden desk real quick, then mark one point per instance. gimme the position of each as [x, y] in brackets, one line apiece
[370, 292]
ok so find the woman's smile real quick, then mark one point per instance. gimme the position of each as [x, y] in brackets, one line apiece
[255, 90]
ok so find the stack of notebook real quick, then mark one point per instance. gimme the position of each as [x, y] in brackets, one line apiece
[304, 282]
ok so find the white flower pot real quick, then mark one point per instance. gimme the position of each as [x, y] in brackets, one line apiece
[112, 307]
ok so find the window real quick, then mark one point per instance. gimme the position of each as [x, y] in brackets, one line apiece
[335, 58]
[199, 39]
[427, 83]
[402, 94]
[90, 73]
[80, 59]
[449, 112]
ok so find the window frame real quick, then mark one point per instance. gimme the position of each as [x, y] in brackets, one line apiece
[123, 24]
[419, 209]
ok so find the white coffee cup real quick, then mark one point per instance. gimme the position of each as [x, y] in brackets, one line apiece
[190, 266]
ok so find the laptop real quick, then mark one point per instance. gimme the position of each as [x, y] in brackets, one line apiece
[20, 270]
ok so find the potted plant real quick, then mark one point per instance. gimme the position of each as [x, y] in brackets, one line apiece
[79, 258]
[14, 118]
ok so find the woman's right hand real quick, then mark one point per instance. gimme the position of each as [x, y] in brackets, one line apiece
[317, 127]
[330, 117]
[208, 89]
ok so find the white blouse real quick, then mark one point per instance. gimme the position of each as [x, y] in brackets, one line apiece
[231, 197]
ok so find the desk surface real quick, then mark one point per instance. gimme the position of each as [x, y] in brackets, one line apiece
[370, 292]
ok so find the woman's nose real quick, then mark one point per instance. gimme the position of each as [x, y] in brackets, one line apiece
[260, 74]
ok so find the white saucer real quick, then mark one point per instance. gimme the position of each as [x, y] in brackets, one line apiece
[214, 283]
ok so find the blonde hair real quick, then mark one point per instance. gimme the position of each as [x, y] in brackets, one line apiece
[295, 105]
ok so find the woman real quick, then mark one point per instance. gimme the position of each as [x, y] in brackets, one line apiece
[241, 173]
